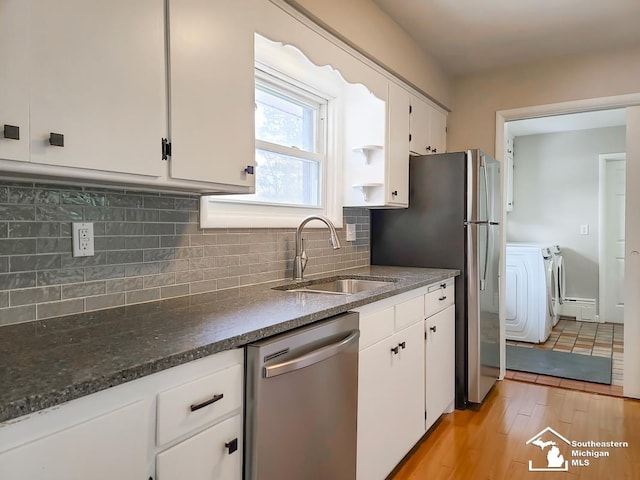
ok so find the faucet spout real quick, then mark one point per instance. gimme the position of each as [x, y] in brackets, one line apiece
[300, 261]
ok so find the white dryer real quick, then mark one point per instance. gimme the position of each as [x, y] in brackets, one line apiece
[529, 312]
[558, 280]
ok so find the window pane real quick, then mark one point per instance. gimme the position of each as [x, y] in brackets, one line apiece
[284, 121]
[285, 179]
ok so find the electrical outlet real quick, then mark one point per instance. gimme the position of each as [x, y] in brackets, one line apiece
[351, 232]
[82, 239]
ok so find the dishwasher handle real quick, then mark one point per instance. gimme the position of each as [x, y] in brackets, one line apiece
[312, 357]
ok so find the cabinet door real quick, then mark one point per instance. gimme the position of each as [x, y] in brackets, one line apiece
[428, 128]
[14, 84]
[377, 404]
[211, 48]
[420, 127]
[112, 446]
[410, 389]
[437, 130]
[397, 171]
[440, 363]
[390, 401]
[215, 454]
[97, 73]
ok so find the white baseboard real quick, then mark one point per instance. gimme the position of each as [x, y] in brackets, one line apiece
[583, 309]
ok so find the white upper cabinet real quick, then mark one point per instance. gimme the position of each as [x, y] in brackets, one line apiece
[211, 51]
[376, 161]
[438, 129]
[398, 146]
[428, 127]
[508, 155]
[14, 88]
[97, 84]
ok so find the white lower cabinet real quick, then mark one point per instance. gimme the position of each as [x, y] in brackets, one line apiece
[113, 445]
[196, 408]
[390, 402]
[215, 454]
[440, 364]
[390, 383]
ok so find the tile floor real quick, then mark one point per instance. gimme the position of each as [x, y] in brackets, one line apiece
[582, 338]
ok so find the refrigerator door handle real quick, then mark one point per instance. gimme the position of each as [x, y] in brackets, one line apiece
[483, 281]
[477, 222]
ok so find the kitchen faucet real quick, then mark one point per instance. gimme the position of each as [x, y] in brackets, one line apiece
[300, 262]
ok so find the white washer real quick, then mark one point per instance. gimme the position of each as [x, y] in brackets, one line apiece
[529, 295]
[559, 282]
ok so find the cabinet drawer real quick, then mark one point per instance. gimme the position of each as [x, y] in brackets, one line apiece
[439, 297]
[375, 326]
[210, 455]
[409, 312]
[197, 403]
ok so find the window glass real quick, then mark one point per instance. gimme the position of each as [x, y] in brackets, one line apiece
[285, 121]
[287, 179]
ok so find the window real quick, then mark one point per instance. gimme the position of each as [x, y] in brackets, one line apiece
[290, 144]
[296, 171]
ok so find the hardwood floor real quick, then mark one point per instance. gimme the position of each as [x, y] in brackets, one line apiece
[490, 441]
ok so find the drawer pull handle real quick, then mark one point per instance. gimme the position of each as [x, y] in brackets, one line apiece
[395, 350]
[12, 132]
[433, 329]
[232, 446]
[443, 285]
[56, 139]
[444, 297]
[214, 399]
[403, 345]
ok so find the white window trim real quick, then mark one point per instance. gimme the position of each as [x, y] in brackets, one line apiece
[232, 214]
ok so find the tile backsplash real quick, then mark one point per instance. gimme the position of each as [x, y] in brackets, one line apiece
[147, 247]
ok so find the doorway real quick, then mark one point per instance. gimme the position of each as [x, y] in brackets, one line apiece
[563, 192]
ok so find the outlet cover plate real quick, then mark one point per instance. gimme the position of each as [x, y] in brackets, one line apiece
[82, 239]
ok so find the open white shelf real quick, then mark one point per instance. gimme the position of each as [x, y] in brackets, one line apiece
[367, 150]
[365, 187]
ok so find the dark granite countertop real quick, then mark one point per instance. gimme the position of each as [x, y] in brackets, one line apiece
[49, 362]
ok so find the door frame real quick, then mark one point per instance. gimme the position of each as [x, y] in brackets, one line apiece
[602, 264]
[631, 387]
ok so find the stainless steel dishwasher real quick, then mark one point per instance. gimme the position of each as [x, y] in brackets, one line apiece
[301, 404]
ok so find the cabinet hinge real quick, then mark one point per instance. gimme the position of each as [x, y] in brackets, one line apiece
[446, 129]
[409, 137]
[425, 414]
[410, 109]
[166, 149]
[425, 335]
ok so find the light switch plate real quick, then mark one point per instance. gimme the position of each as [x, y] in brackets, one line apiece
[584, 229]
[82, 239]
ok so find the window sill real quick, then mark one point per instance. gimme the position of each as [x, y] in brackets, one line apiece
[226, 215]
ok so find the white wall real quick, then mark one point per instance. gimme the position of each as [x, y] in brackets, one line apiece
[477, 98]
[555, 191]
[363, 24]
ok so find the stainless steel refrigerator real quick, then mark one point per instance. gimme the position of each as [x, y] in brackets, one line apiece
[453, 222]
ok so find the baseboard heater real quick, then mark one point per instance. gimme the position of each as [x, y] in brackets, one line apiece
[583, 309]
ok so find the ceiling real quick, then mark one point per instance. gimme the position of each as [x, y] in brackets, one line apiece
[568, 122]
[467, 36]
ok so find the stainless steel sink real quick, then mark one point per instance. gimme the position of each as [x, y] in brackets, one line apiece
[340, 286]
